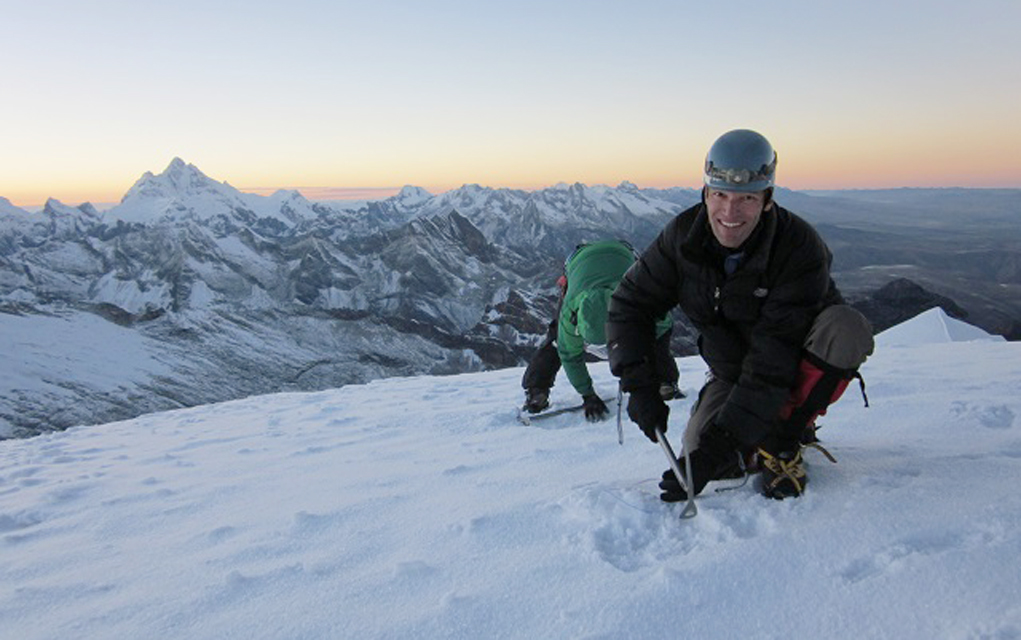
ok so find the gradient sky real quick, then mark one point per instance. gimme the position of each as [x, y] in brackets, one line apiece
[440, 93]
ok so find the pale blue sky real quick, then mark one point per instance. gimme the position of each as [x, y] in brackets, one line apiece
[520, 94]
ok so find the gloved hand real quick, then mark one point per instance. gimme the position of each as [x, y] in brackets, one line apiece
[673, 491]
[646, 408]
[595, 408]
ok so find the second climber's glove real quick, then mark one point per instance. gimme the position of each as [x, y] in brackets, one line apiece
[595, 408]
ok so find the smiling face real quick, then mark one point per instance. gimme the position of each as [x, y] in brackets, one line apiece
[733, 215]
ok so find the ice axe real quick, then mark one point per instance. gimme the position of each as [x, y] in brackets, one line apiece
[620, 419]
[690, 510]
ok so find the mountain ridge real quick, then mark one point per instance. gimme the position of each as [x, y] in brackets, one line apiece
[242, 294]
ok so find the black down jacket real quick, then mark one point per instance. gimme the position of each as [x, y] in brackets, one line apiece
[752, 324]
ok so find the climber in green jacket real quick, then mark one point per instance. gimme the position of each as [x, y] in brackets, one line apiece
[591, 274]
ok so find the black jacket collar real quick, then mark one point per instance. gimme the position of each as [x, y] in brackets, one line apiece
[700, 244]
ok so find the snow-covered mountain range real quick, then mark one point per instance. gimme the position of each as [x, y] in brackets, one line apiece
[212, 294]
[226, 294]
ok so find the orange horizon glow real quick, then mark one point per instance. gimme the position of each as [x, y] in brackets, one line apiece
[807, 161]
[825, 179]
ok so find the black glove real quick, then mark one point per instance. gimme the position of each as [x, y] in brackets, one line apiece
[595, 408]
[646, 408]
[716, 457]
[673, 491]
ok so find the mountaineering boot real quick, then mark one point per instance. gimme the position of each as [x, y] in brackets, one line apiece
[670, 391]
[536, 399]
[783, 473]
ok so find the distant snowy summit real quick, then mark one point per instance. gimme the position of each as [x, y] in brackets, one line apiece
[179, 178]
[411, 196]
[184, 191]
[932, 327]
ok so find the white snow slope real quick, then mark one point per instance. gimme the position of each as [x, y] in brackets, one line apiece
[420, 508]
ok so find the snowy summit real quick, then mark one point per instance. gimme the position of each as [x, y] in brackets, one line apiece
[420, 508]
[183, 191]
[930, 326]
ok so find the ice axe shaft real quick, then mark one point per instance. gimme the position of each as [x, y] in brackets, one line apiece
[690, 510]
[620, 417]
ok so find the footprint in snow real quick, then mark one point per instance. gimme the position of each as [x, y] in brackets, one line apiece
[990, 416]
[629, 528]
[918, 548]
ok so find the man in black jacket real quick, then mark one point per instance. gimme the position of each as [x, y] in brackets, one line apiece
[780, 344]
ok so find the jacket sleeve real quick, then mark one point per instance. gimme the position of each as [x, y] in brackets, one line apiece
[645, 294]
[571, 349]
[770, 368]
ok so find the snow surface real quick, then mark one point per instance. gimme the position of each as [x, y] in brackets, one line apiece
[38, 349]
[420, 508]
[933, 325]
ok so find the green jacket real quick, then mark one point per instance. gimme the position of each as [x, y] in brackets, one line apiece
[593, 272]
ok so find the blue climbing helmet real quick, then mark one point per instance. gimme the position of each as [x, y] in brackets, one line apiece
[740, 160]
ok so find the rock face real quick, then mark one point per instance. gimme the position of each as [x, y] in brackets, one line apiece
[191, 292]
[901, 300]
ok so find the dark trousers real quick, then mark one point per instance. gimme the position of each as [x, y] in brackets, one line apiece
[840, 340]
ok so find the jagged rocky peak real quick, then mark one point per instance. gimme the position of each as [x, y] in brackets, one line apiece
[179, 178]
[179, 168]
[56, 209]
[576, 191]
[89, 210]
[183, 191]
[471, 192]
